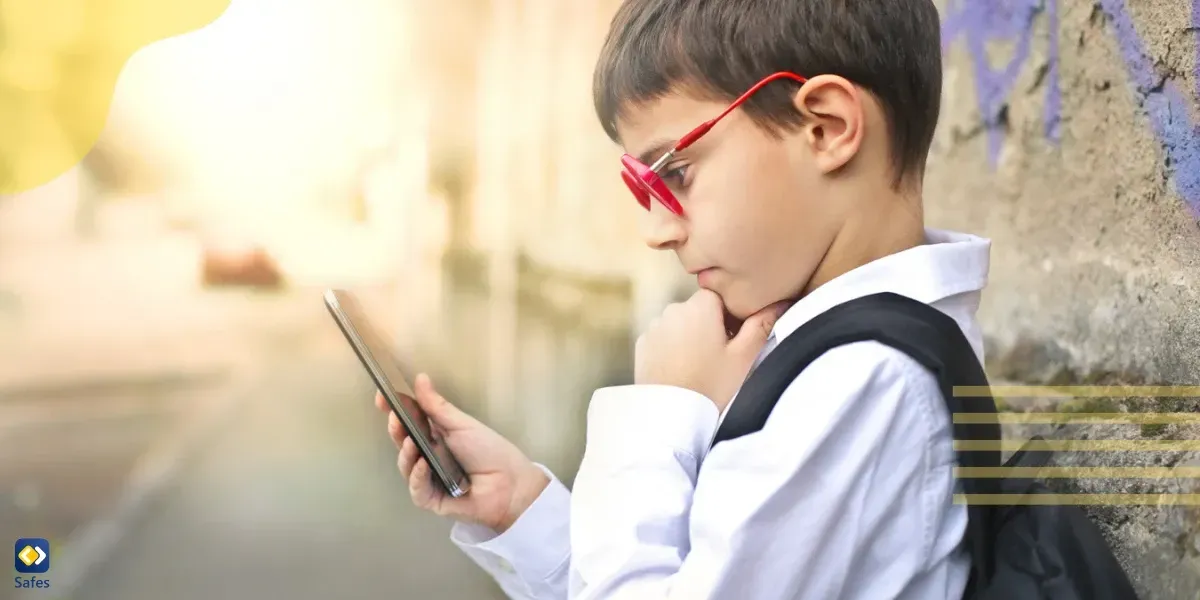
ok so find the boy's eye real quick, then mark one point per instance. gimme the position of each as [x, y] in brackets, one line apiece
[673, 176]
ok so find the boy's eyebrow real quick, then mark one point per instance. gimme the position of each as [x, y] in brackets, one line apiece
[655, 152]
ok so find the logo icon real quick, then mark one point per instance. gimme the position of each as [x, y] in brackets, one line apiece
[31, 555]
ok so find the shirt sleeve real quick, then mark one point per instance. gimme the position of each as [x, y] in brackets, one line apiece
[528, 561]
[838, 496]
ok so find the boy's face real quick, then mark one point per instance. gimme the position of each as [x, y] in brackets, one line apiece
[757, 216]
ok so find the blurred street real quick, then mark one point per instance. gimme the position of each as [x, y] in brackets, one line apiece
[173, 441]
[179, 417]
[296, 496]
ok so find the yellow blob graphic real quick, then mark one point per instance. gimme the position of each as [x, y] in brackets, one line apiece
[59, 64]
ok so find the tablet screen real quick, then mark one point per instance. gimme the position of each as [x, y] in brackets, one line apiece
[382, 364]
[383, 357]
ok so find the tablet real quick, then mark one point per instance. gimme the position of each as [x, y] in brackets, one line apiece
[379, 361]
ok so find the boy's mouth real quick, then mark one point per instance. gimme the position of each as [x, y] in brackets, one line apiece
[704, 276]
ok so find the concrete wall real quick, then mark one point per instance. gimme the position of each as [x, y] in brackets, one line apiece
[1070, 136]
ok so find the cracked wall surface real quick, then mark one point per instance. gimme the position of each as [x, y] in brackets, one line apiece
[1070, 136]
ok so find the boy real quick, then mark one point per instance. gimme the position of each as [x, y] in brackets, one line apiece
[804, 196]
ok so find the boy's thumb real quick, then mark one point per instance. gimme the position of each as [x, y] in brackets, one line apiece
[438, 409]
[756, 329]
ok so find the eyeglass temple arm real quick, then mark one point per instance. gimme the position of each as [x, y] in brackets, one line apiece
[704, 127]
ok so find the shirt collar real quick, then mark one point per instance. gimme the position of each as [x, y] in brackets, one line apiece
[949, 263]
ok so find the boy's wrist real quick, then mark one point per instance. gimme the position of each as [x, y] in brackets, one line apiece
[526, 490]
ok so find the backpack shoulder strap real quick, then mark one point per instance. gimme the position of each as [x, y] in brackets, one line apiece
[924, 333]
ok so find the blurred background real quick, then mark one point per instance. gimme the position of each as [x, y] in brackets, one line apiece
[179, 416]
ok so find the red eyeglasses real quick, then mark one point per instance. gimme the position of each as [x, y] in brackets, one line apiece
[645, 182]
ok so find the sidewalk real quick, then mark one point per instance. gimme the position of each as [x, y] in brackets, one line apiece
[114, 366]
[295, 497]
[84, 460]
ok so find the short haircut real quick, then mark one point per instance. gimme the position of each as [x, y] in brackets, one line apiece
[718, 49]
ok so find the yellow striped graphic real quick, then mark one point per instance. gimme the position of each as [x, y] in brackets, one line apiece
[1078, 472]
[1078, 445]
[1076, 391]
[1056, 418]
[1080, 417]
[1078, 499]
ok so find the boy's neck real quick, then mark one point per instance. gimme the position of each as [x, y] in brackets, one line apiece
[882, 222]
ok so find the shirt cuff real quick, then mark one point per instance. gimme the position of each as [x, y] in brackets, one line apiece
[627, 423]
[526, 560]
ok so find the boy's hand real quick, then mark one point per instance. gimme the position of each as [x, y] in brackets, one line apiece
[503, 481]
[688, 347]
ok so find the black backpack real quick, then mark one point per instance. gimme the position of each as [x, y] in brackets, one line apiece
[1018, 552]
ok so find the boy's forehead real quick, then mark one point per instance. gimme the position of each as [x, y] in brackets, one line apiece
[650, 127]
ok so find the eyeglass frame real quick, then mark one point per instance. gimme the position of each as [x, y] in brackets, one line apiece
[644, 180]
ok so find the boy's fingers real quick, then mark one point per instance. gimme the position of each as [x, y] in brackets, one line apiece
[419, 485]
[381, 403]
[444, 414]
[408, 457]
[396, 429]
[757, 329]
[425, 493]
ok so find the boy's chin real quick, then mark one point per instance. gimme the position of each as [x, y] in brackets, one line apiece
[739, 307]
[736, 311]
[740, 311]
[734, 320]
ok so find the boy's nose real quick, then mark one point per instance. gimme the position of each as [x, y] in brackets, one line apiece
[662, 229]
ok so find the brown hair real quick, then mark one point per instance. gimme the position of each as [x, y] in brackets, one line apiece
[718, 49]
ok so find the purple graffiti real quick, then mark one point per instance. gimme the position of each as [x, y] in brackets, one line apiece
[1196, 28]
[1164, 102]
[1053, 115]
[981, 22]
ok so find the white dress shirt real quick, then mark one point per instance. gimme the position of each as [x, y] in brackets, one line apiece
[846, 492]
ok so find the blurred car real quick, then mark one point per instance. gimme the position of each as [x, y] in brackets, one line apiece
[239, 264]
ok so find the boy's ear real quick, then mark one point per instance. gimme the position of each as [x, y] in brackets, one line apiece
[833, 120]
